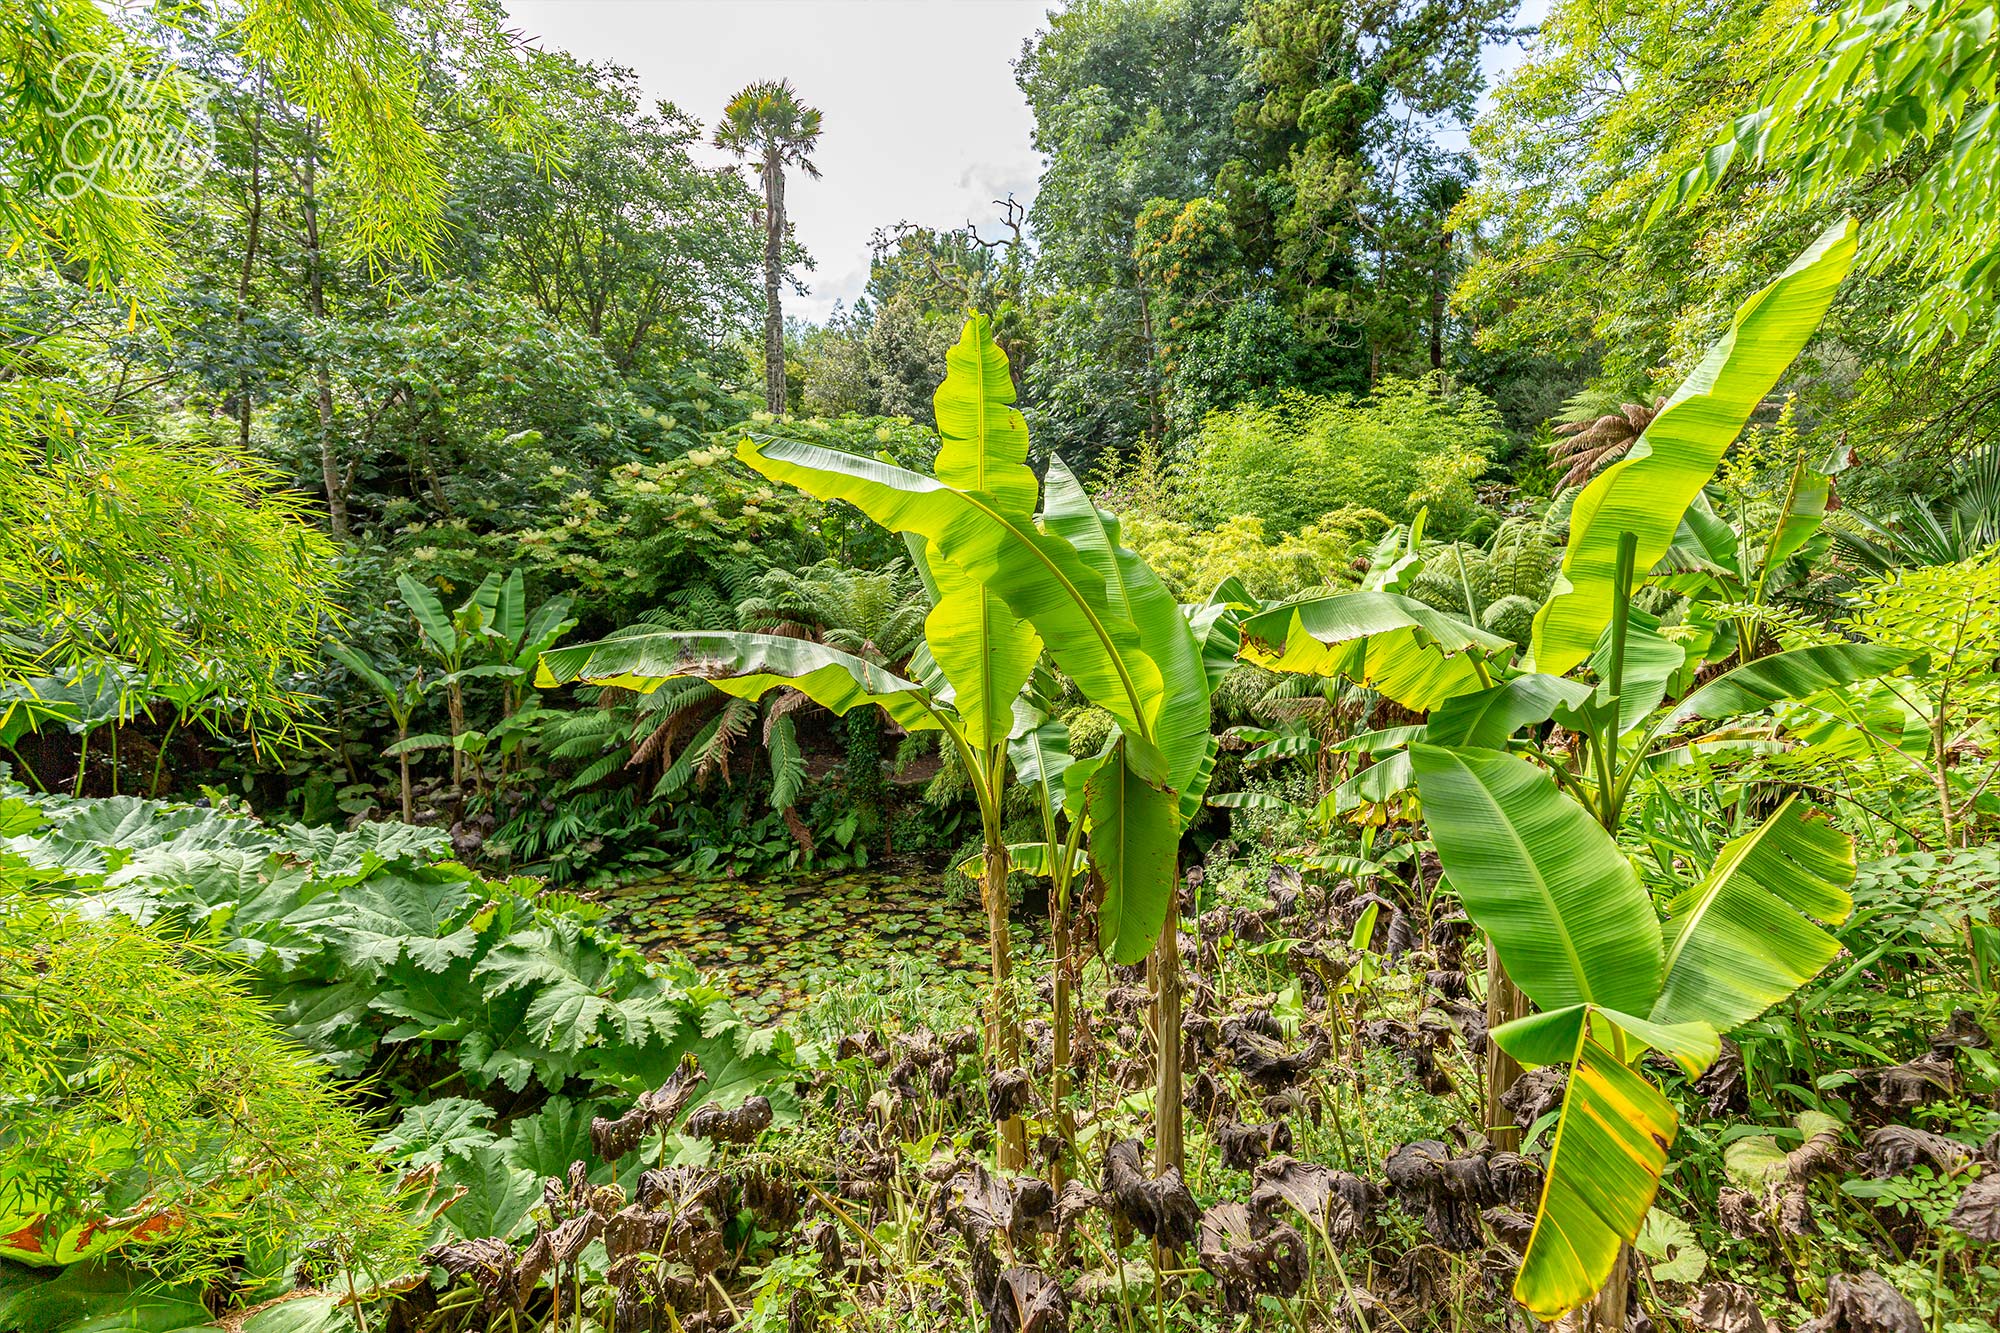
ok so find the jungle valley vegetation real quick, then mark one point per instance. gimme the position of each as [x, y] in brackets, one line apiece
[1375, 713]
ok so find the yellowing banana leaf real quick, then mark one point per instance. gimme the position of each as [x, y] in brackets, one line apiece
[1039, 575]
[1646, 492]
[744, 665]
[1550, 1038]
[1563, 907]
[1739, 941]
[1394, 645]
[1030, 858]
[1610, 1148]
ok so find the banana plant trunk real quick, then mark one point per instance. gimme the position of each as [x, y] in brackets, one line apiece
[1003, 1032]
[403, 761]
[1059, 1070]
[1168, 1148]
[1504, 1004]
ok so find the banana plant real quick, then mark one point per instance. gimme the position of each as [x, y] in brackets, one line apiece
[490, 634]
[1108, 623]
[401, 696]
[1578, 933]
[1006, 587]
[1644, 494]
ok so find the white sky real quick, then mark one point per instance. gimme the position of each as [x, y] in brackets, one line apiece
[923, 120]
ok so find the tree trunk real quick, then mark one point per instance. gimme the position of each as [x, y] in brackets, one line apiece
[403, 759]
[253, 234]
[1168, 1149]
[774, 266]
[1153, 414]
[1504, 1004]
[329, 461]
[1003, 1034]
[1439, 288]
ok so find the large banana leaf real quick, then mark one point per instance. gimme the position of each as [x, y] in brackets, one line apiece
[983, 649]
[1646, 492]
[1039, 575]
[1563, 907]
[744, 665]
[1488, 718]
[1759, 683]
[1133, 592]
[1039, 751]
[1739, 941]
[983, 441]
[1134, 840]
[1389, 643]
[1610, 1148]
[1550, 1038]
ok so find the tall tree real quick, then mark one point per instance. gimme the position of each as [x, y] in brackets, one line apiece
[767, 121]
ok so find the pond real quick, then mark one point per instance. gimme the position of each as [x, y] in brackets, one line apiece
[766, 940]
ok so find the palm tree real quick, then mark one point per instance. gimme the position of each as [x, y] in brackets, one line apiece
[769, 122]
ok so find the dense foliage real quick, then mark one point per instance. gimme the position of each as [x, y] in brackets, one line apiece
[1377, 711]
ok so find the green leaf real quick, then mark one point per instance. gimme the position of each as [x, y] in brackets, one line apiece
[510, 617]
[430, 1132]
[788, 765]
[743, 665]
[1567, 914]
[1386, 642]
[301, 1314]
[1670, 1244]
[431, 616]
[1759, 683]
[984, 650]
[546, 1142]
[1039, 575]
[1488, 718]
[1039, 751]
[1646, 492]
[1550, 1038]
[1610, 1148]
[1134, 841]
[101, 1296]
[1739, 942]
[983, 441]
[1134, 593]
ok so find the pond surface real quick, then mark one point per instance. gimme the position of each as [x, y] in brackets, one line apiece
[764, 939]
